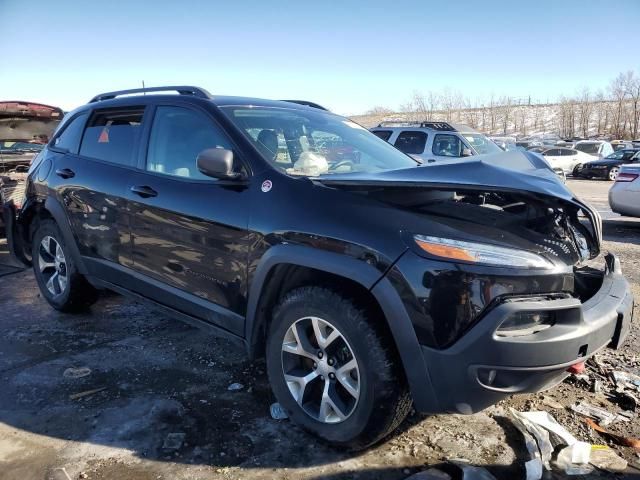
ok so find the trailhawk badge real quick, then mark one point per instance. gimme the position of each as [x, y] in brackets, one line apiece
[266, 186]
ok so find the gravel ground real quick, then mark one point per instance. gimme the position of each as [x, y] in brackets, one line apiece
[152, 376]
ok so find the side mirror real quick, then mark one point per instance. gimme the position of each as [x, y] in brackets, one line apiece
[217, 163]
[466, 152]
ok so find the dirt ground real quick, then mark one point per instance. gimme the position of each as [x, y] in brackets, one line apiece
[152, 376]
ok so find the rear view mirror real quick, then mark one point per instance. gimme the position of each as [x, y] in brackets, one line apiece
[466, 152]
[217, 163]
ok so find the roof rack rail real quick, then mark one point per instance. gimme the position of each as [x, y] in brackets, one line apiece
[306, 103]
[182, 90]
[443, 126]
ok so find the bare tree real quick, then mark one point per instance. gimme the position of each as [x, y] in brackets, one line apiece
[585, 110]
[506, 110]
[618, 91]
[632, 90]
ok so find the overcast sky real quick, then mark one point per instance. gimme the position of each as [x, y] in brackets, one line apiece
[346, 55]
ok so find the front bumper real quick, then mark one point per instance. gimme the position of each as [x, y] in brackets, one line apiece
[482, 368]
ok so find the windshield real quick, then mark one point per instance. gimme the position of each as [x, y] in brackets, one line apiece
[590, 148]
[312, 143]
[481, 144]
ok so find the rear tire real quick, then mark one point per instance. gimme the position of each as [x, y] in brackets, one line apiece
[354, 392]
[56, 273]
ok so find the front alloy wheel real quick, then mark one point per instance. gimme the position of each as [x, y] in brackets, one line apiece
[53, 265]
[321, 370]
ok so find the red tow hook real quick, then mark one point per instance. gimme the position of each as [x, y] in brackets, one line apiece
[577, 368]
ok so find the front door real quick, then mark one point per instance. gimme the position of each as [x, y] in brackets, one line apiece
[189, 231]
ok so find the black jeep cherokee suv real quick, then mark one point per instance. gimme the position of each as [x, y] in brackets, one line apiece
[368, 283]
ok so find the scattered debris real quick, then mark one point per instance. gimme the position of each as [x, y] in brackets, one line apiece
[551, 403]
[277, 412]
[234, 387]
[533, 466]
[574, 460]
[605, 458]
[600, 414]
[629, 401]
[625, 379]
[173, 441]
[628, 442]
[543, 419]
[79, 372]
[86, 393]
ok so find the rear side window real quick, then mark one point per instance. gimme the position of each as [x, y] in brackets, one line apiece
[383, 134]
[69, 138]
[112, 135]
[411, 142]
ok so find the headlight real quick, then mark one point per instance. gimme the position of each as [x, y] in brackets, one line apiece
[480, 253]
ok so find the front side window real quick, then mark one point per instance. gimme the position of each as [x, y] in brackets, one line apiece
[69, 138]
[112, 135]
[481, 144]
[178, 135]
[411, 142]
[447, 145]
[314, 142]
[383, 134]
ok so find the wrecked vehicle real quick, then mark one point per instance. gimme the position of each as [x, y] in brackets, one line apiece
[25, 128]
[370, 285]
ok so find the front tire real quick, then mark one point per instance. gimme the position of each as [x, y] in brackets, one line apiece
[613, 173]
[56, 273]
[333, 371]
[576, 170]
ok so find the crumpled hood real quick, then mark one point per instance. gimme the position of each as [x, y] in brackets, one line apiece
[508, 171]
[28, 120]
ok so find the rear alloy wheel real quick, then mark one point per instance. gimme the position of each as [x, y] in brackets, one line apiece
[58, 278]
[334, 369]
[53, 266]
[613, 173]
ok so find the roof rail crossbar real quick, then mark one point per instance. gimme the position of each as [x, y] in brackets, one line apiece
[182, 90]
[306, 103]
[444, 126]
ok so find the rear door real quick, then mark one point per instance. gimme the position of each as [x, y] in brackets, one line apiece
[91, 185]
[190, 231]
[413, 143]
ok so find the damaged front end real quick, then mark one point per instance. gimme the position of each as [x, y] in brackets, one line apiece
[503, 278]
[486, 234]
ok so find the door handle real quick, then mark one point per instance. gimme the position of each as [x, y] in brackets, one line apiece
[144, 191]
[65, 173]
[431, 160]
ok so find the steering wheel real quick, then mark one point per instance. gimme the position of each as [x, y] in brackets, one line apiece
[340, 164]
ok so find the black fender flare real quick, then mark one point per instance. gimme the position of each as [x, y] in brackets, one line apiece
[369, 277]
[56, 211]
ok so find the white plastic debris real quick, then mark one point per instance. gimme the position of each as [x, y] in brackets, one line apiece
[79, 372]
[603, 417]
[541, 438]
[546, 421]
[607, 459]
[234, 387]
[277, 412]
[574, 460]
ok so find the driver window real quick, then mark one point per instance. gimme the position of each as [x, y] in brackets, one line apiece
[178, 135]
[447, 145]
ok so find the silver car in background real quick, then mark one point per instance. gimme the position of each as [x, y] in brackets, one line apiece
[624, 196]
